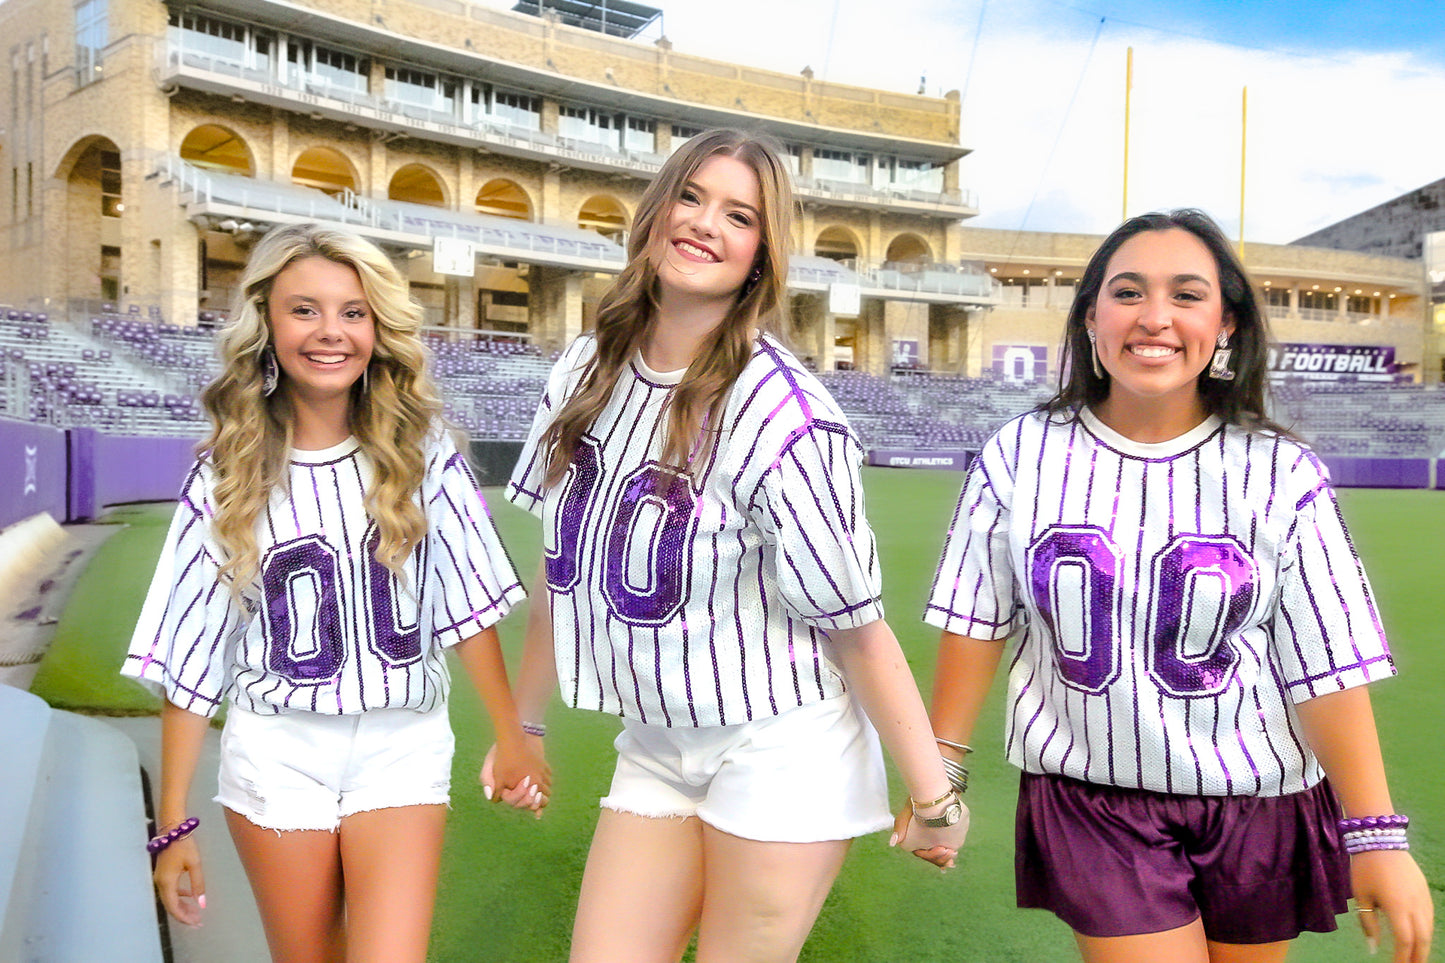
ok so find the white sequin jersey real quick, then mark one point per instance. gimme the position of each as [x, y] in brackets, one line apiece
[324, 627]
[1172, 602]
[703, 602]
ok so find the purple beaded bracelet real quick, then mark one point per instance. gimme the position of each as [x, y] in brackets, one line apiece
[186, 827]
[1367, 833]
[1374, 822]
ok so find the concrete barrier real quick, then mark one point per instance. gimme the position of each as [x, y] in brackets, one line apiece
[74, 874]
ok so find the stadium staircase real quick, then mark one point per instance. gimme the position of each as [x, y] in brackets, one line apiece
[74, 875]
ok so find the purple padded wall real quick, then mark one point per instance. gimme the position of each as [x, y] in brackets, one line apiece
[80, 448]
[32, 471]
[134, 469]
[1348, 472]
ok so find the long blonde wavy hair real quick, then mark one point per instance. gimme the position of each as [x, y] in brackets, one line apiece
[391, 413]
[629, 307]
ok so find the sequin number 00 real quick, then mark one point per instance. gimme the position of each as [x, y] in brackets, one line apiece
[1200, 589]
[302, 602]
[644, 542]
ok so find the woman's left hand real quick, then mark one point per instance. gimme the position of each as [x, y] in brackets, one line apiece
[937, 846]
[1388, 883]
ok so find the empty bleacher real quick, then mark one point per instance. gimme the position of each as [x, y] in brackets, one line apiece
[130, 372]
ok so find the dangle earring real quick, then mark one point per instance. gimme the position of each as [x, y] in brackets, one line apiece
[366, 379]
[1219, 364]
[270, 371]
[754, 276]
[1094, 356]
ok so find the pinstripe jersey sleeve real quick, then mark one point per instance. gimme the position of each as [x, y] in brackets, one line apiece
[475, 583]
[189, 622]
[1327, 631]
[810, 506]
[525, 489]
[973, 590]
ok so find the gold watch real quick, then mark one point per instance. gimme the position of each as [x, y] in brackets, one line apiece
[951, 814]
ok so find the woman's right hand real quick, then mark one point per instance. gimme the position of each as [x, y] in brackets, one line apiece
[937, 846]
[181, 858]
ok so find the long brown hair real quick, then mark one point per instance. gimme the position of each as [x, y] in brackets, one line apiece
[630, 306]
[390, 417]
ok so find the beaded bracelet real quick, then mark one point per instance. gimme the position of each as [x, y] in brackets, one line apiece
[1374, 822]
[186, 827]
[534, 729]
[1367, 833]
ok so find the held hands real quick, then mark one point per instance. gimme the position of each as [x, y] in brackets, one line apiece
[1388, 883]
[518, 776]
[181, 858]
[937, 846]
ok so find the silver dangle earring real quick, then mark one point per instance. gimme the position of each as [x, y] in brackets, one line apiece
[366, 379]
[1094, 356]
[1219, 364]
[270, 371]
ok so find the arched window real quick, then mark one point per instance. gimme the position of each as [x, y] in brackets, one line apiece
[217, 148]
[325, 169]
[909, 248]
[836, 243]
[504, 198]
[604, 215]
[417, 184]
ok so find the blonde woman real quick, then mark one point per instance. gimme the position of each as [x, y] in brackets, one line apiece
[713, 581]
[329, 544]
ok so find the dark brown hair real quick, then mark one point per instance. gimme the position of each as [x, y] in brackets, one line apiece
[1238, 402]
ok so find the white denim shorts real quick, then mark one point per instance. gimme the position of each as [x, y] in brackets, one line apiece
[304, 770]
[810, 774]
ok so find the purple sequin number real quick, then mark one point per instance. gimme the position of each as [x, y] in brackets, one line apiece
[393, 637]
[1075, 571]
[1204, 588]
[561, 558]
[299, 579]
[650, 526]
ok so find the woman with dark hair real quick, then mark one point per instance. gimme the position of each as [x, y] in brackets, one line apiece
[1194, 633]
[711, 578]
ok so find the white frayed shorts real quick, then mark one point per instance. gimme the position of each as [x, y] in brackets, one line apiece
[810, 774]
[305, 770]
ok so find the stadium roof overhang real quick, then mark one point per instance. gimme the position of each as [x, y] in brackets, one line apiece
[376, 40]
[619, 18]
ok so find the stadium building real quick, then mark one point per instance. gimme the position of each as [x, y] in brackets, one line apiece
[499, 156]
[500, 153]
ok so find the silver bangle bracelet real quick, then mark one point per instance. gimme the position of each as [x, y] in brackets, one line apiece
[957, 775]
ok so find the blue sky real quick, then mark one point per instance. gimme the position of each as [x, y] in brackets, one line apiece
[1337, 112]
[1307, 26]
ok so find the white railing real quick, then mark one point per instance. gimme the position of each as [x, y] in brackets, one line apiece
[176, 61]
[860, 193]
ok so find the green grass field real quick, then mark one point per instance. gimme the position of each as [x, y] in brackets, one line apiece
[509, 883]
